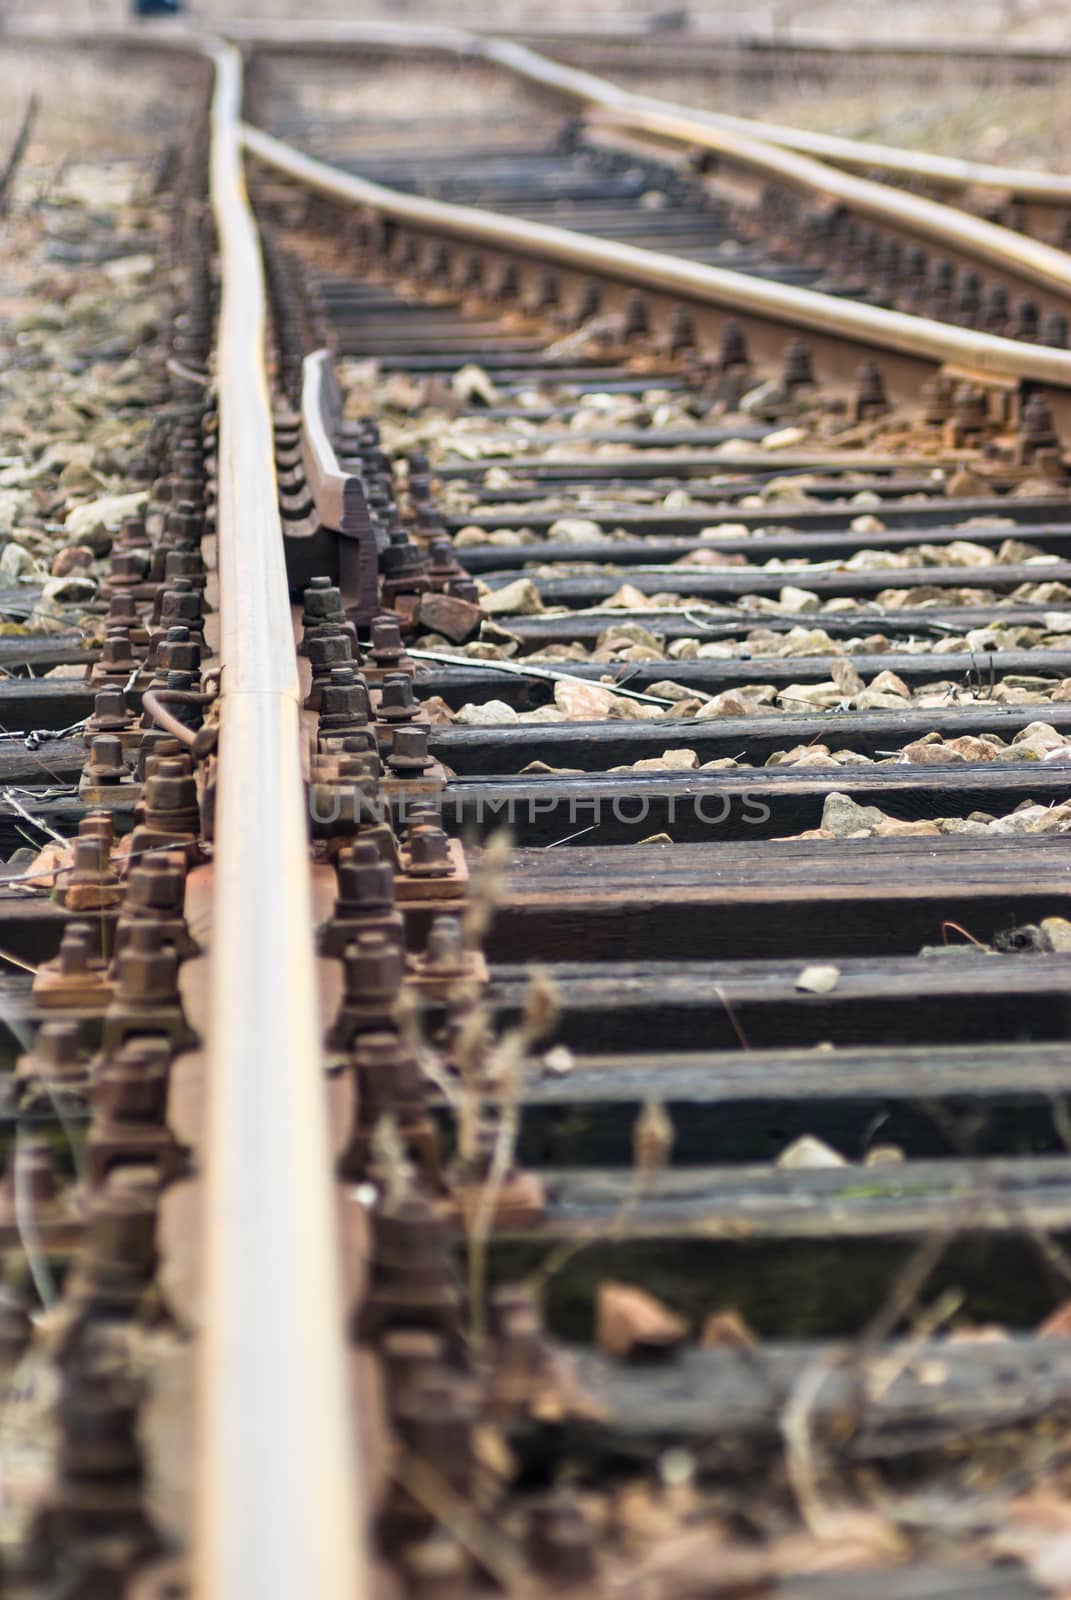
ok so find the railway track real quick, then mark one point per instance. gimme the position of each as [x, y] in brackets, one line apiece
[560, 977]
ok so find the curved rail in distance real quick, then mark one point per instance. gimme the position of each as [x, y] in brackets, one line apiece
[735, 292]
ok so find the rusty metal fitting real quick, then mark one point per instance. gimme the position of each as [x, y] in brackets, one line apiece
[373, 972]
[1037, 429]
[388, 1081]
[132, 1086]
[170, 795]
[111, 715]
[732, 347]
[181, 603]
[90, 885]
[938, 398]
[322, 602]
[996, 310]
[560, 1542]
[95, 1506]
[968, 299]
[442, 562]
[127, 569]
[1054, 329]
[397, 702]
[387, 648]
[364, 899]
[129, 1113]
[797, 368]
[76, 978]
[1027, 328]
[444, 951]
[122, 612]
[343, 702]
[374, 969]
[636, 321]
[409, 756]
[463, 589]
[105, 765]
[177, 651]
[870, 399]
[411, 1280]
[117, 660]
[132, 535]
[680, 332]
[427, 850]
[185, 522]
[57, 1056]
[970, 410]
[156, 892]
[331, 646]
[147, 998]
[401, 561]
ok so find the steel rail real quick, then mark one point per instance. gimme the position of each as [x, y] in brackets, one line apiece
[580, 84]
[277, 1491]
[735, 292]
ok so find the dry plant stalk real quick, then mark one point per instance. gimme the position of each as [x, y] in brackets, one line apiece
[504, 1071]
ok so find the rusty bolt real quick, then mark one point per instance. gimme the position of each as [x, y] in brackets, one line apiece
[181, 603]
[127, 568]
[428, 850]
[171, 788]
[870, 396]
[408, 756]
[1038, 430]
[1054, 329]
[970, 408]
[365, 880]
[396, 700]
[387, 647]
[157, 885]
[797, 370]
[122, 611]
[322, 602]
[75, 951]
[57, 1050]
[374, 968]
[110, 712]
[938, 396]
[146, 968]
[132, 1085]
[98, 825]
[105, 764]
[732, 347]
[117, 653]
[444, 951]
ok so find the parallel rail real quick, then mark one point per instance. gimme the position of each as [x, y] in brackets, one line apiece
[732, 292]
[277, 1494]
